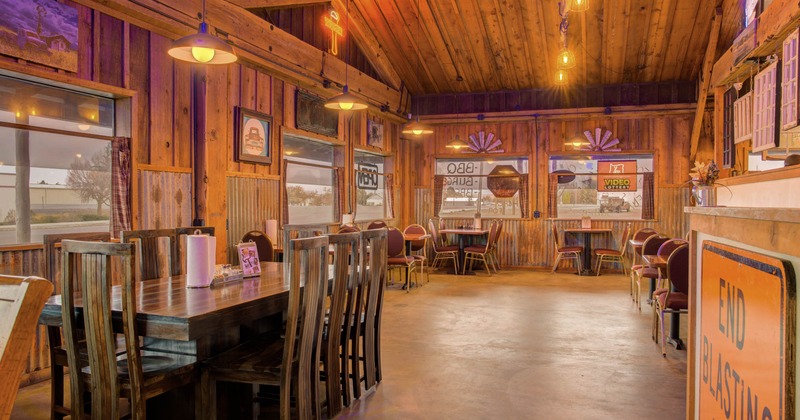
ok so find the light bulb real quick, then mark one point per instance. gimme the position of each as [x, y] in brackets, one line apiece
[565, 59]
[346, 105]
[203, 55]
[561, 77]
[417, 131]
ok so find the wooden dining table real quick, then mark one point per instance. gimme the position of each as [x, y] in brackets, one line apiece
[657, 261]
[201, 322]
[587, 244]
[462, 235]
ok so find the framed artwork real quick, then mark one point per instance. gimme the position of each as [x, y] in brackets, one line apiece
[248, 259]
[374, 134]
[311, 115]
[253, 136]
[40, 31]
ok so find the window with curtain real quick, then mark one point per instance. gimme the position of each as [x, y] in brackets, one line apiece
[370, 181]
[493, 187]
[55, 161]
[618, 187]
[310, 181]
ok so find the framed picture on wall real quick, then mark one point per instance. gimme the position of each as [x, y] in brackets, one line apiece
[375, 134]
[252, 136]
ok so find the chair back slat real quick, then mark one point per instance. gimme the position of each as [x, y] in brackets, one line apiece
[21, 303]
[52, 252]
[374, 269]
[263, 244]
[151, 259]
[307, 261]
[89, 263]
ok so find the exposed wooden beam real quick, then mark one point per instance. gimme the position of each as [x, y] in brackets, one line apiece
[774, 23]
[705, 83]
[370, 46]
[275, 4]
[257, 42]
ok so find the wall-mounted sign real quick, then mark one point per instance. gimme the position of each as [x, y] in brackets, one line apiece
[332, 22]
[311, 115]
[747, 335]
[616, 176]
[482, 142]
[367, 176]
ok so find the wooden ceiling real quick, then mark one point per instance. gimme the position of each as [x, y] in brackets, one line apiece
[502, 45]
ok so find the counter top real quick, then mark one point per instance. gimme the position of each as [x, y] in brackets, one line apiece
[786, 215]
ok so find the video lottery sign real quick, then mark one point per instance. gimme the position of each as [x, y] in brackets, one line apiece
[615, 176]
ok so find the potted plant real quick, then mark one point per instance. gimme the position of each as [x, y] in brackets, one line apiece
[704, 175]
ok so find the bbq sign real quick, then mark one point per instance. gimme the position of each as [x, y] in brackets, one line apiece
[745, 350]
[616, 175]
[367, 176]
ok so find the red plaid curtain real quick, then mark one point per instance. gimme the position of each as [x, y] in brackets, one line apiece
[552, 202]
[121, 219]
[648, 199]
[524, 197]
[438, 192]
[285, 207]
[388, 181]
[338, 194]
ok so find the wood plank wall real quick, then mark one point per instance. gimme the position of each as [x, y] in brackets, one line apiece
[165, 199]
[529, 242]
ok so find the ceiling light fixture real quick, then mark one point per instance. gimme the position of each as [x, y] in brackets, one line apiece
[456, 144]
[566, 59]
[415, 127]
[561, 77]
[346, 101]
[578, 5]
[202, 47]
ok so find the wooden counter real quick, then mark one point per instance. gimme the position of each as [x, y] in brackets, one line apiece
[767, 239]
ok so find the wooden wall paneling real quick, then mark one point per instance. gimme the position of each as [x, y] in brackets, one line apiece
[108, 51]
[140, 82]
[265, 101]
[165, 199]
[182, 114]
[85, 42]
[219, 120]
[242, 92]
[161, 102]
[289, 94]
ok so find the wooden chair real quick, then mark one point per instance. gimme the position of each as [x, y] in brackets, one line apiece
[641, 271]
[334, 343]
[151, 259]
[480, 252]
[420, 246]
[566, 252]
[263, 244]
[493, 249]
[21, 303]
[180, 239]
[640, 236]
[365, 308]
[292, 361]
[58, 354]
[137, 374]
[666, 249]
[614, 255]
[397, 258]
[441, 252]
[674, 301]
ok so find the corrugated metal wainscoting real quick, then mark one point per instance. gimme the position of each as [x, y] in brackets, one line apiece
[251, 202]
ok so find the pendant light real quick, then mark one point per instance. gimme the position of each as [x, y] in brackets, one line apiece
[457, 144]
[566, 59]
[561, 77]
[415, 127]
[346, 101]
[202, 47]
[578, 5]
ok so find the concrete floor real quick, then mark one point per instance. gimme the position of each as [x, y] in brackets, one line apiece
[518, 345]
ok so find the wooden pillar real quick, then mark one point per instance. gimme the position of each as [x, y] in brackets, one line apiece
[199, 172]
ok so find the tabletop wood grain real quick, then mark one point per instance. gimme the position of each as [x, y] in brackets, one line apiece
[591, 230]
[167, 309]
[465, 231]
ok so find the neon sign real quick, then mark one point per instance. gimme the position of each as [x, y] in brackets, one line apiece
[332, 22]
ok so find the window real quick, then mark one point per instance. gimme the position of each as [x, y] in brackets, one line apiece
[371, 198]
[55, 161]
[602, 187]
[728, 147]
[310, 186]
[487, 186]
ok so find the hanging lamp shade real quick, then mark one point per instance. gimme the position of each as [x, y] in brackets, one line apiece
[416, 128]
[561, 77]
[457, 144]
[566, 59]
[202, 48]
[345, 101]
[578, 5]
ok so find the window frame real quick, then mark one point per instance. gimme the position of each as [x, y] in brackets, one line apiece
[381, 175]
[290, 160]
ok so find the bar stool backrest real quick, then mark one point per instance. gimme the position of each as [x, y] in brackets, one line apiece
[652, 244]
[678, 268]
[667, 248]
[373, 271]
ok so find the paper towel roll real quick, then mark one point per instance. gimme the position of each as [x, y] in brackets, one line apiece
[199, 267]
[272, 231]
